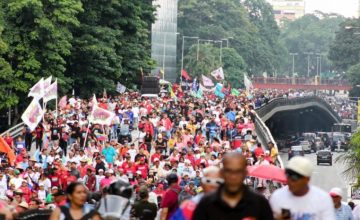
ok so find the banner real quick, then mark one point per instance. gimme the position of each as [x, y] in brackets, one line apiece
[120, 88]
[204, 89]
[101, 116]
[37, 91]
[218, 91]
[207, 81]
[185, 75]
[5, 148]
[247, 82]
[33, 114]
[63, 102]
[235, 92]
[218, 74]
[51, 92]
[195, 85]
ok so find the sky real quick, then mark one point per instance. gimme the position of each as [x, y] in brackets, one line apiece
[348, 8]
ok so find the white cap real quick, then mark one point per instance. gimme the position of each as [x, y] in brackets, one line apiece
[336, 191]
[301, 165]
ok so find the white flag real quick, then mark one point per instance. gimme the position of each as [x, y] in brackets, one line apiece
[47, 82]
[207, 81]
[51, 92]
[101, 116]
[37, 91]
[218, 74]
[120, 88]
[33, 114]
[247, 82]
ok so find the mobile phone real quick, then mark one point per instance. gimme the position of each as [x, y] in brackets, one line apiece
[285, 213]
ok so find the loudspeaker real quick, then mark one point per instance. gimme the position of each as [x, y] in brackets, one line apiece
[150, 85]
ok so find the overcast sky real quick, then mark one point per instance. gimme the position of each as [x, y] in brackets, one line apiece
[348, 8]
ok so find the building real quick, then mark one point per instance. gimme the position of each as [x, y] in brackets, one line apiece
[287, 9]
[164, 39]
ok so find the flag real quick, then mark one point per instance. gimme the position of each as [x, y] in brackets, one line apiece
[204, 89]
[5, 148]
[207, 81]
[47, 82]
[235, 92]
[120, 88]
[218, 74]
[195, 85]
[101, 116]
[33, 114]
[172, 94]
[218, 91]
[185, 74]
[199, 93]
[50, 92]
[37, 91]
[247, 82]
[63, 102]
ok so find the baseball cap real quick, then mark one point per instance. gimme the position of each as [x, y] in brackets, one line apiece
[336, 191]
[59, 193]
[300, 165]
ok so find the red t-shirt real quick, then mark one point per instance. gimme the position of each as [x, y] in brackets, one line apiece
[170, 200]
[258, 151]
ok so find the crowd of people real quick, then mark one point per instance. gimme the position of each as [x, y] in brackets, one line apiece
[170, 150]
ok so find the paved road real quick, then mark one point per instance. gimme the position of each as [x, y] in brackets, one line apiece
[326, 176]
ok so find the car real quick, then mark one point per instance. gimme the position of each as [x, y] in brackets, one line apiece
[306, 146]
[339, 142]
[324, 156]
[296, 151]
[319, 144]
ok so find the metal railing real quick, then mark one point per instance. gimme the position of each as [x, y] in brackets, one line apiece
[14, 131]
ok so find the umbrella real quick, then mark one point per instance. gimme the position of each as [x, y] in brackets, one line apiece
[269, 172]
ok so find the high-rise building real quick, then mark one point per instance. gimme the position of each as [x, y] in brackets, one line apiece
[287, 9]
[163, 38]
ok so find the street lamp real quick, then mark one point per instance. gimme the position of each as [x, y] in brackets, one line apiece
[182, 53]
[221, 45]
[318, 61]
[198, 47]
[293, 63]
[351, 27]
[308, 58]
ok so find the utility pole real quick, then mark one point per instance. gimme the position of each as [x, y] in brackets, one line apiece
[198, 47]
[308, 61]
[293, 63]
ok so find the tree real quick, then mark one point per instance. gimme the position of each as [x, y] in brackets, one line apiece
[310, 33]
[345, 50]
[352, 159]
[209, 60]
[218, 19]
[38, 39]
[353, 76]
[111, 44]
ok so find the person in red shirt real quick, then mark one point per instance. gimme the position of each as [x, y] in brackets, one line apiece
[90, 180]
[25, 190]
[82, 168]
[143, 168]
[9, 140]
[55, 178]
[157, 155]
[258, 150]
[170, 202]
[65, 174]
[39, 136]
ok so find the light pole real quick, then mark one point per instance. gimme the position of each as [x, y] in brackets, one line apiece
[319, 60]
[293, 63]
[182, 53]
[221, 45]
[198, 47]
[164, 55]
[308, 60]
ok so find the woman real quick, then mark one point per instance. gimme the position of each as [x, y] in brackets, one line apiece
[75, 208]
[148, 140]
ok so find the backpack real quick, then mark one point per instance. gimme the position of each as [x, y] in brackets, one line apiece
[66, 212]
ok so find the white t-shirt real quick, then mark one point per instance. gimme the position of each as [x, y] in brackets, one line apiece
[315, 205]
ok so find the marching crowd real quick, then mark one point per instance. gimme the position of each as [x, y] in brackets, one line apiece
[170, 150]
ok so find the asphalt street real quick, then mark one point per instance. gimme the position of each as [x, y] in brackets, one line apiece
[326, 176]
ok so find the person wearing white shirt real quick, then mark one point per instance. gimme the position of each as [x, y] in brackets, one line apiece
[132, 151]
[299, 200]
[3, 184]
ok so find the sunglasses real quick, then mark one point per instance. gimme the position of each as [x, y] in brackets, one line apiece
[293, 175]
[212, 181]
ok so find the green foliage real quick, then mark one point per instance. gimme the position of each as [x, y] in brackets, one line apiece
[250, 27]
[353, 75]
[352, 159]
[309, 34]
[345, 50]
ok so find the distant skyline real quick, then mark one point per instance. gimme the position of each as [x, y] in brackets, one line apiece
[347, 8]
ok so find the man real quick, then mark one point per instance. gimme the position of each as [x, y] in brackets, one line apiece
[170, 203]
[210, 182]
[233, 200]
[273, 151]
[300, 200]
[342, 210]
[90, 180]
[143, 209]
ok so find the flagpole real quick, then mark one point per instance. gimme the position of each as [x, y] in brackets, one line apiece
[87, 133]
[56, 100]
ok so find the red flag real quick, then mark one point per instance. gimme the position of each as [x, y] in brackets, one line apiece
[185, 75]
[4, 147]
